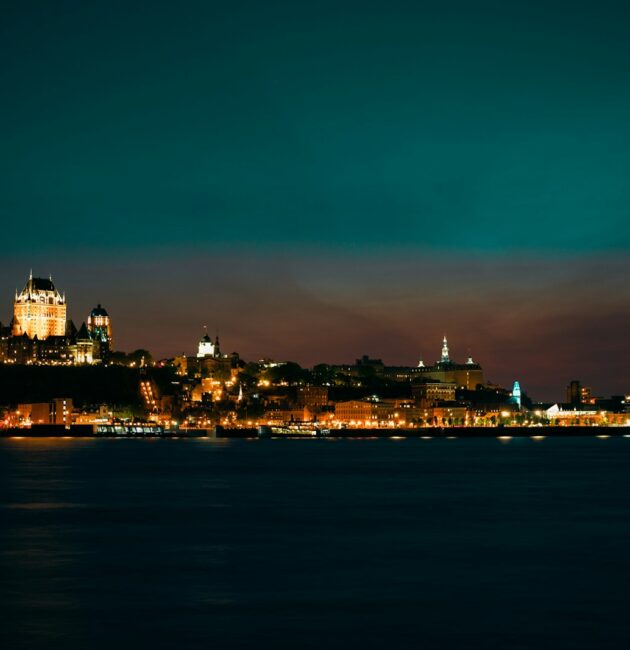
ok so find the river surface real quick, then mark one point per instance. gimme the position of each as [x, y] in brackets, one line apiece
[315, 544]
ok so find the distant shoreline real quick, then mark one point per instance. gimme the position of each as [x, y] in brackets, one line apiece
[57, 431]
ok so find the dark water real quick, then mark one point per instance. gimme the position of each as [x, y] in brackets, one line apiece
[315, 544]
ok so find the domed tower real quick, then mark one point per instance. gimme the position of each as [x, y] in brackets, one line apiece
[39, 310]
[206, 346]
[99, 326]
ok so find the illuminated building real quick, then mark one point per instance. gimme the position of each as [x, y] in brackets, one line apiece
[99, 326]
[516, 394]
[578, 394]
[39, 310]
[210, 368]
[356, 411]
[373, 411]
[56, 411]
[430, 393]
[464, 375]
[577, 416]
[84, 349]
[447, 415]
[40, 334]
[208, 348]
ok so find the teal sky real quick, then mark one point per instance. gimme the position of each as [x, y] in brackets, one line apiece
[459, 126]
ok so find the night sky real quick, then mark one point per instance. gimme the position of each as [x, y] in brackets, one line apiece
[322, 180]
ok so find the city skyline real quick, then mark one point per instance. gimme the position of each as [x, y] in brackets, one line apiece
[401, 339]
[319, 183]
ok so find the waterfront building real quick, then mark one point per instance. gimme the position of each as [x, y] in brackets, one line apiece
[101, 414]
[292, 415]
[39, 310]
[375, 412]
[56, 411]
[447, 415]
[356, 412]
[558, 415]
[430, 393]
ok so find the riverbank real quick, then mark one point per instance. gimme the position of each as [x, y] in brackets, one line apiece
[87, 431]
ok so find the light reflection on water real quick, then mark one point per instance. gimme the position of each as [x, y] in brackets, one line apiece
[403, 543]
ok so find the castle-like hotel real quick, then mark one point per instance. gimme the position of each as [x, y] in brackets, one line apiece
[41, 333]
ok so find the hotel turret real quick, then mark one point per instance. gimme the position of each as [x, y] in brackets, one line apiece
[39, 310]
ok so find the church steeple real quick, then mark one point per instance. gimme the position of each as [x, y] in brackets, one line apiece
[445, 356]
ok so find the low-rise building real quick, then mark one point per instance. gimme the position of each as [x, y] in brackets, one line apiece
[55, 411]
[428, 394]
